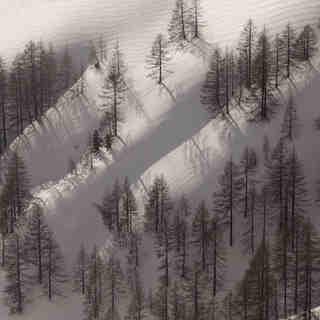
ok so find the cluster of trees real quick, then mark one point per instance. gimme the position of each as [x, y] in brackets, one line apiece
[30, 255]
[101, 282]
[186, 24]
[191, 260]
[255, 69]
[30, 85]
[113, 96]
[267, 194]
[250, 73]
[280, 280]
[118, 208]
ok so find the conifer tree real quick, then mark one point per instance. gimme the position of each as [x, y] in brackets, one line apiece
[276, 60]
[298, 252]
[96, 142]
[195, 294]
[288, 48]
[177, 303]
[31, 65]
[159, 205]
[15, 291]
[18, 188]
[80, 273]
[310, 270]
[161, 303]
[201, 234]
[54, 269]
[180, 242]
[36, 240]
[92, 301]
[261, 284]
[3, 105]
[217, 257]
[114, 88]
[183, 207]
[164, 247]
[42, 56]
[266, 149]
[66, 70]
[179, 23]
[282, 260]
[110, 208]
[290, 126]
[306, 45]
[137, 305]
[298, 194]
[211, 91]
[134, 251]
[17, 115]
[158, 59]
[197, 22]
[225, 200]
[277, 176]
[113, 288]
[129, 204]
[246, 50]
[52, 87]
[228, 311]
[263, 74]
[233, 70]
[226, 80]
[249, 236]
[242, 301]
[248, 167]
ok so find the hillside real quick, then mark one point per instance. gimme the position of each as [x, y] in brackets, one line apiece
[164, 131]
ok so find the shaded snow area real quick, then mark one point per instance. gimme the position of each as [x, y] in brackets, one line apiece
[165, 130]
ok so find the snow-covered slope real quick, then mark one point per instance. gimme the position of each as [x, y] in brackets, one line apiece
[164, 131]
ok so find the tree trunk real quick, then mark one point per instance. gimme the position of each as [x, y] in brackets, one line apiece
[18, 271]
[39, 253]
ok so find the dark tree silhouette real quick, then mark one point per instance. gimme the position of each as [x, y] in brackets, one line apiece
[225, 199]
[246, 50]
[276, 60]
[80, 272]
[96, 142]
[217, 256]
[291, 125]
[211, 91]
[248, 166]
[92, 301]
[54, 270]
[159, 205]
[263, 75]
[15, 290]
[114, 287]
[18, 188]
[129, 205]
[114, 88]
[158, 59]
[195, 294]
[197, 23]
[288, 48]
[179, 24]
[36, 239]
[306, 45]
[3, 105]
[201, 234]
